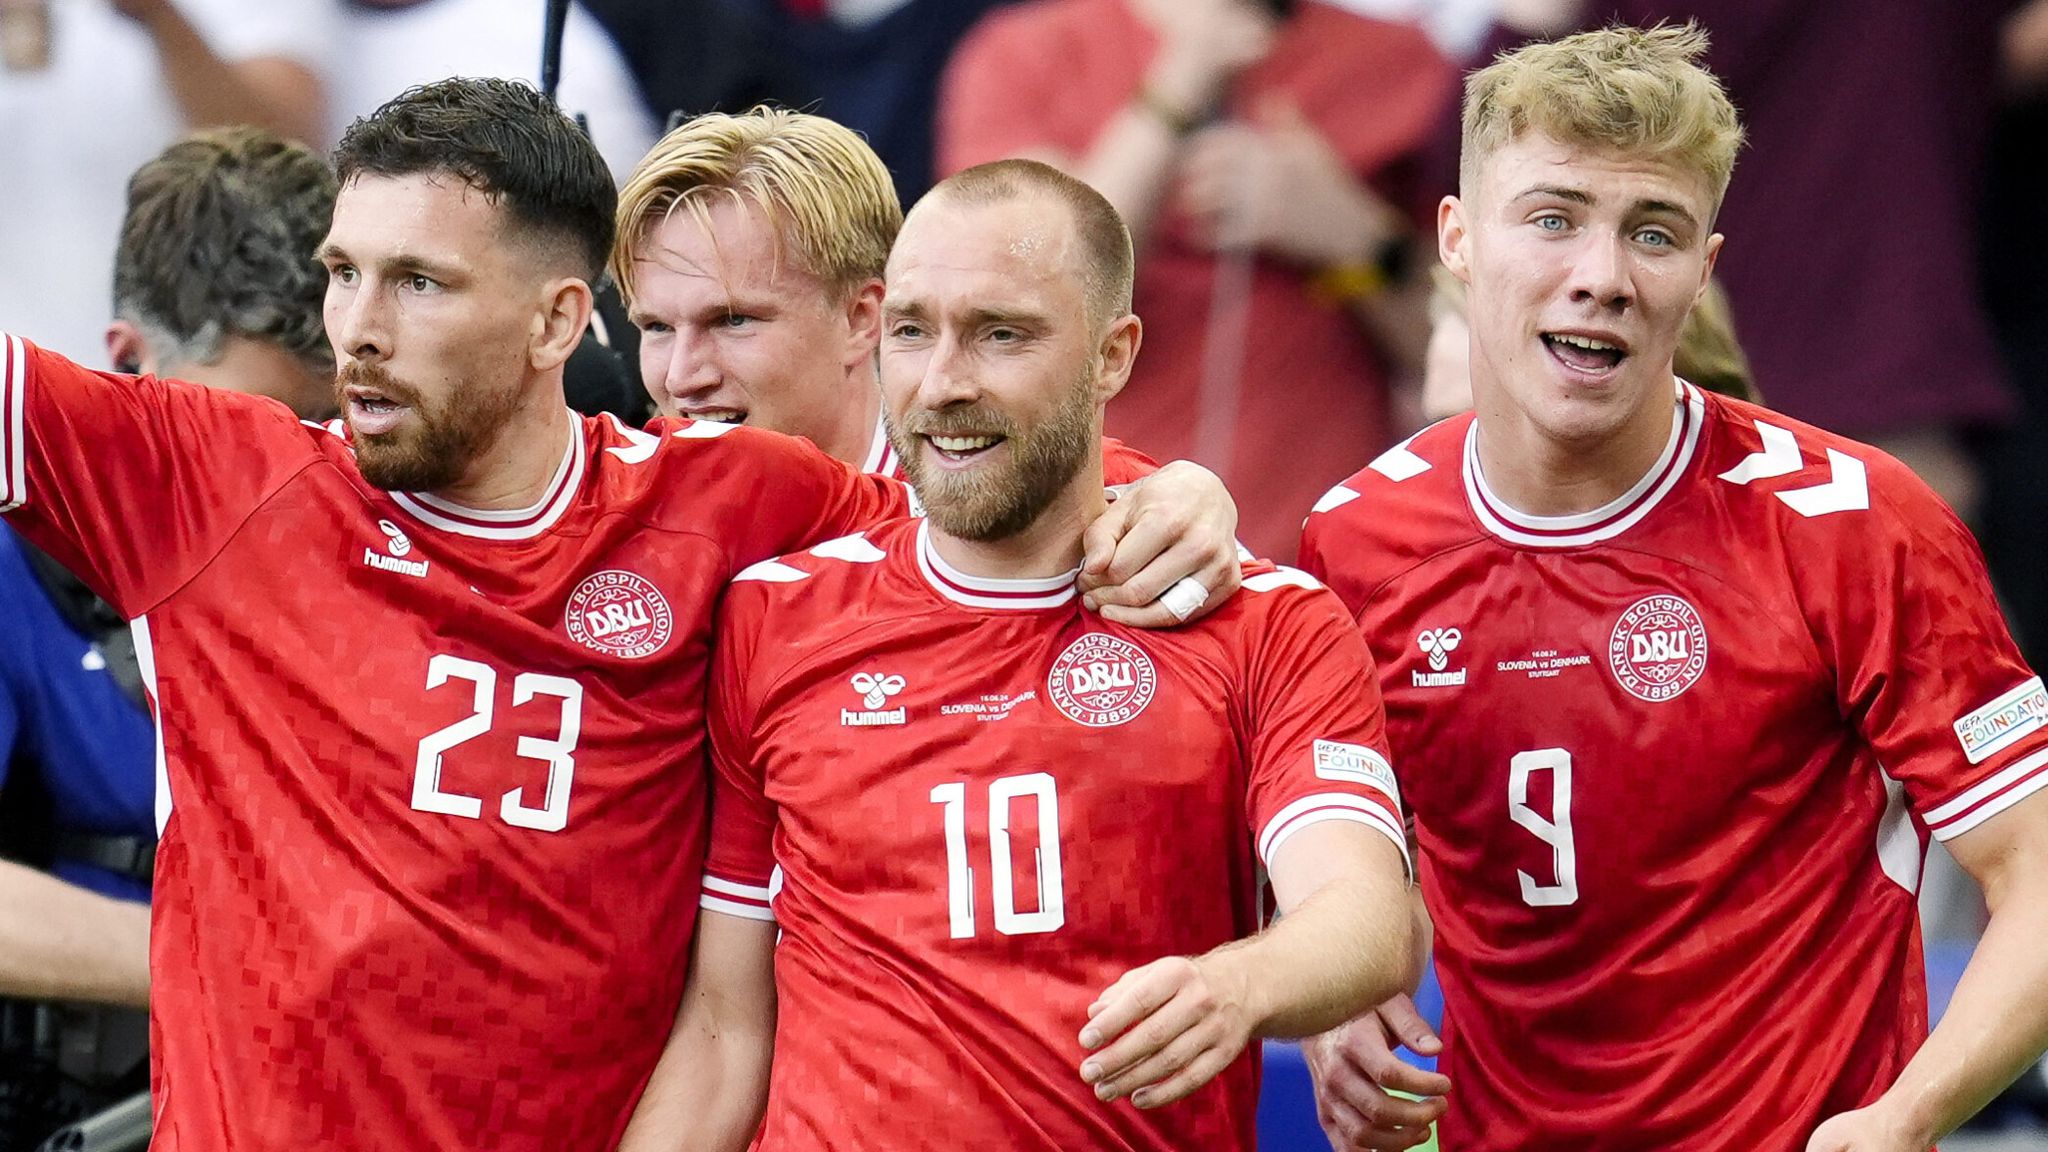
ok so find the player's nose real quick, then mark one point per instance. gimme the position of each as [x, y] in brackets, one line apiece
[949, 375]
[690, 373]
[359, 326]
[1600, 271]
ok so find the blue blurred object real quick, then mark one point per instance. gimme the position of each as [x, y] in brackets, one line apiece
[1287, 1102]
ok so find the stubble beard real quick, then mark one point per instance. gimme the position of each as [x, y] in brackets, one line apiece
[436, 447]
[998, 502]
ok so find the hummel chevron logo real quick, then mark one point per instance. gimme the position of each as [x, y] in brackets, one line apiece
[1847, 488]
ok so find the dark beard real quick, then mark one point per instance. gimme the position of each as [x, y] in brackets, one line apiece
[437, 450]
[1001, 504]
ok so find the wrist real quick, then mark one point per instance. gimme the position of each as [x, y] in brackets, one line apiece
[1907, 1125]
[1232, 970]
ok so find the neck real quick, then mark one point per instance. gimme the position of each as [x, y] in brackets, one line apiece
[854, 437]
[516, 469]
[1051, 546]
[1541, 475]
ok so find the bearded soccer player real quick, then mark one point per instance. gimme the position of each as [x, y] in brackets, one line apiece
[1681, 686]
[1014, 853]
[751, 252]
[429, 679]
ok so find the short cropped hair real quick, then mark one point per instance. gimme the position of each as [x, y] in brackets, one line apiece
[219, 241]
[1105, 240]
[504, 139]
[1633, 90]
[828, 194]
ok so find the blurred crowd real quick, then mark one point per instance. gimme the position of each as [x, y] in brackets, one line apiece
[1280, 164]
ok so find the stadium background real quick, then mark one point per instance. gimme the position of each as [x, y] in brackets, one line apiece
[1910, 309]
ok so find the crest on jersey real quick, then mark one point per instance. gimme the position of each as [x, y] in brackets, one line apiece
[875, 690]
[619, 614]
[1658, 648]
[1102, 681]
[1438, 644]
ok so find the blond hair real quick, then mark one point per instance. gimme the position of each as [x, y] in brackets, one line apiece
[1619, 88]
[828, 194]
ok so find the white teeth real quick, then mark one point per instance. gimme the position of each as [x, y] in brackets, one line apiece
[963, 443]
[1586, 342]
[720, 415]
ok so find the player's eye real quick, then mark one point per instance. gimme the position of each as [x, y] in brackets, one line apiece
[652, 327]
[420, 285]
[1005, 335]
[906, 330]
[343, 274]
[736, 320]
[1654, 237]
[1551, 222]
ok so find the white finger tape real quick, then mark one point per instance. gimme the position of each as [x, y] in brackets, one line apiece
[1185, 597]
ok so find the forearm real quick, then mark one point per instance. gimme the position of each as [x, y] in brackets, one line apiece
[1345, 948]
[274, 94]
[62, 942]
[706, 1095]
[1995, 1026]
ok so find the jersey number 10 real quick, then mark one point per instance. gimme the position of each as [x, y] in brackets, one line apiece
[1052, 898]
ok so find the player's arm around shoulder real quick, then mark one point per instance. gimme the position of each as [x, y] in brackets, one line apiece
[710, 1088]
[1166, 550]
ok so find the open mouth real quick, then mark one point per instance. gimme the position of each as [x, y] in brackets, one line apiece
[372, 413]
[717, 415]
[1591, 355]
[962, 449]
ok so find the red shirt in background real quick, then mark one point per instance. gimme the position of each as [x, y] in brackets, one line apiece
[1311, 394]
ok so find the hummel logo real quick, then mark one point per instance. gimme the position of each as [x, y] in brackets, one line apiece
[875, 692]
[1438, 644]
[398, 545]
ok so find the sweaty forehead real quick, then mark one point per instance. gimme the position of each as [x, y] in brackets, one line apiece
[1023, 246]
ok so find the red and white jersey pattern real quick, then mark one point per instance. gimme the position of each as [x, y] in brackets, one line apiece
[1121, 463]
[971, 806]
[1672, 764]
[433, 808]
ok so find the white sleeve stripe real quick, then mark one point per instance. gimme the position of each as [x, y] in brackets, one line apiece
[1985, 788]
[1371, 820]
[742, 911]
[13, 426]
[1992, 807]
[1323, 800]
[729, 888]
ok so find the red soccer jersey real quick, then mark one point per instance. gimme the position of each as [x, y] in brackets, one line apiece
[974, 805]
[436, 812]
[1672, 764]
[1121, 463]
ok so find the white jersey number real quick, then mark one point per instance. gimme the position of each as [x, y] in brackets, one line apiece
[1052, 900]
[1555, 831]
[552, 813]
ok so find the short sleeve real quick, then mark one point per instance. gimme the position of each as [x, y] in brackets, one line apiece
[798, 495]
[1926, 669]
[1318, 728]
[134, 483]
[739, 869]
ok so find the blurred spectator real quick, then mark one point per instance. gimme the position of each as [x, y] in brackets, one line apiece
[1459, 27]
[215, 282]
[874, 66]
[387, 46]
[1266, 157]
[1851, 249]
[2015, 260]
[697, 56]
[89, 89]
[1709, 355]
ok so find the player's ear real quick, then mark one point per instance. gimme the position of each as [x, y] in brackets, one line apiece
[127, 350]
[1707, 268]
[864, 323]
[1452, 237]
[565, 307]
[1117, 353]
